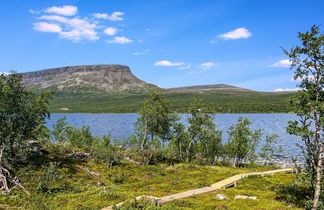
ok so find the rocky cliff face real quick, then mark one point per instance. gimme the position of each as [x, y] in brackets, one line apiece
[85, 78]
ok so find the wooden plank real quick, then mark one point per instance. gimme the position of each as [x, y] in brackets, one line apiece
[231, 181]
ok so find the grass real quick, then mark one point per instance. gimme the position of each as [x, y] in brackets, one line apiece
[61, 183]
[129, 102]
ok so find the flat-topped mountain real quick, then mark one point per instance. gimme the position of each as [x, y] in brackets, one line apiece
[85, 78]
[103, 78]
[113, 88]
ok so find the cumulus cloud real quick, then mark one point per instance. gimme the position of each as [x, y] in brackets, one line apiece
[47, 27]
[54, 18]
[239, 33]
[168, 63]
[283, 63]
[62, 21]
[66, 10]
[286, 89]
[110, 31]
[208, 65]
[80, 29]
[115, 16]
[120, 40]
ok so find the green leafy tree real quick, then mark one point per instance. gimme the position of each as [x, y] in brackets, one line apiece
[308, 103]
[179, 142]
[59, 131]
[155, 120]
[242, 141]
[269, 148]
[205, 140]
[22, 120]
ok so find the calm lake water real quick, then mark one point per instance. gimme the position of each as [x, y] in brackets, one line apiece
[121, 126]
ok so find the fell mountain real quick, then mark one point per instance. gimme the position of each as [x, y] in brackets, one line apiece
[87, 78]
[103, 78]
[114, 89]
[206, 88]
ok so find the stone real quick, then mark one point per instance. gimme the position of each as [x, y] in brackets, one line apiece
[245, 197]
[221, 197]
[79, 155]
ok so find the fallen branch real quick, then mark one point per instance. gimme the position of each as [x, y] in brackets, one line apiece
[5, 178]
[92, 172]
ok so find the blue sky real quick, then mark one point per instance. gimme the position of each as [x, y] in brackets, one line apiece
[169, 43]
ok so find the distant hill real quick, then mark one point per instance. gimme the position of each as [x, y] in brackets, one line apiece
[114, 89]
[89, 78]
[205, 88]
[103, 78]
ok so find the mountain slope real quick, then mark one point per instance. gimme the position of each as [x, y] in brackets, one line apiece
[205, 88]
[114, 89]
[90, 78]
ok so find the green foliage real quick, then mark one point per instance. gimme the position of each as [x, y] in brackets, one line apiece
[100, 149]
[22, 117]
[50, 181]
[308, 103]
[59, 130]
[155, 119]
[103, 151]
[269, 148]
[205, 141]
[77, 137]
[242, 142]
[130, 102]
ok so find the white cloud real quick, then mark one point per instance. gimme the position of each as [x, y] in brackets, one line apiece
[47, 27]
[286, 89]
[239, 33]
[66, 10]
[168, 63]
[54, 18]
[80, 29]
[4, 73]
[208, 65]
[115, 16]
[141, 53]
[75, 29]
[283, 63]
[110, 31]
[120, 40]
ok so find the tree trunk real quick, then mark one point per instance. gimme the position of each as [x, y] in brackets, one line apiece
[188, 151]
[143, 141]
[319, 166]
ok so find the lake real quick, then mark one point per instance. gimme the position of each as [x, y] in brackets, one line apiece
[121, 126]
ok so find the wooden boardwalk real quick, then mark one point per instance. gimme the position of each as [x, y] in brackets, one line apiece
[226, 183]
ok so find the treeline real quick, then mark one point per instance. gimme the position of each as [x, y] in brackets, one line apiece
[161, 134]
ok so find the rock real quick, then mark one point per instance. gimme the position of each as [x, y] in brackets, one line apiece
[79, 155]
[34, 146]
[221, 197]
[244, 197]
[153, 200]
